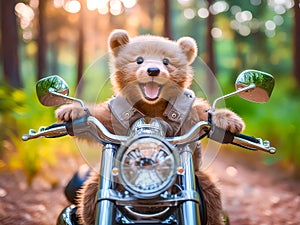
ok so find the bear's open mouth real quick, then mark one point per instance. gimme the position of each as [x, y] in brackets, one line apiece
[151, 90]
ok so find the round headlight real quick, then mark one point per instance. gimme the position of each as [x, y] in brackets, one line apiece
[147, 167]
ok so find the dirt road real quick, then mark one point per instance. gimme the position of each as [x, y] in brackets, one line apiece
[251, 195]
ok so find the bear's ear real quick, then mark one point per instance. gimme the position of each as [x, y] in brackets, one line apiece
[116, 39]
[189, 48]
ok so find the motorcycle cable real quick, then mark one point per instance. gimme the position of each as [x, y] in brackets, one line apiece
[202, 206]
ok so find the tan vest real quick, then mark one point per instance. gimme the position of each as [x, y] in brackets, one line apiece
[178, 115]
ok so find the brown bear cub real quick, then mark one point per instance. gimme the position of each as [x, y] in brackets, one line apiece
[151, 77]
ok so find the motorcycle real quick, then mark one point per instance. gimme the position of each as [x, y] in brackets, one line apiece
[146, 177]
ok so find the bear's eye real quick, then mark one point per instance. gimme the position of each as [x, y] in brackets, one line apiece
[166, 61]
[139, 60]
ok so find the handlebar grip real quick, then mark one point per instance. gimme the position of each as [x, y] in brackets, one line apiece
[75, 126]
[226, 137]
[220, 135]
[70, 125]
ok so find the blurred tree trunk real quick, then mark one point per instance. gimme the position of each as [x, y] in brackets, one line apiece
[80, 56]
[210, 59]
[296, 72]
[41, 40]
[10, 43]
[297, 42]
[167, 19]
[53, 64]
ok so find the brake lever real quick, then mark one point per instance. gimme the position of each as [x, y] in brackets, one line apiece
[52, 131]
[252, 143]
[241, 140]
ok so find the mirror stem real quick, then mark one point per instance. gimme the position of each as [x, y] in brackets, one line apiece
[251, 86]
[72, 99]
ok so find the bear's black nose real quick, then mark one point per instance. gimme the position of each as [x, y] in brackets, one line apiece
[153, 71]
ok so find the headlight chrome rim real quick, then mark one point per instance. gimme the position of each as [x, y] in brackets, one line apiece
[147, 168]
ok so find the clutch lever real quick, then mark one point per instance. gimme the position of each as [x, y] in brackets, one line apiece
[52, 131]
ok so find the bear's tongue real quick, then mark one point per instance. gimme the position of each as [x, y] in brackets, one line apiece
[151, 90]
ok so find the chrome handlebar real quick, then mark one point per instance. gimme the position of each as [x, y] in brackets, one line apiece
[197, 132]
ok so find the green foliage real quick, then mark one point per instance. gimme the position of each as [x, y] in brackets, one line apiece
[21, 111]
[276, 120]
[10, 100]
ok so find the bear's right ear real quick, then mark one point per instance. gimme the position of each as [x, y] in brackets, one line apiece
[189, 48]
[117, 39]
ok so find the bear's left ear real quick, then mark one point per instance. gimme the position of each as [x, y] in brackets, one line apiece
[117, 39]
[189, 48]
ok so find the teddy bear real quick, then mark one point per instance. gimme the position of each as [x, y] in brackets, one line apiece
[151, 77]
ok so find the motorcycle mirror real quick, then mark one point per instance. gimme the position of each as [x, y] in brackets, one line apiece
[252, 85]
[263, 84]
[52, 91]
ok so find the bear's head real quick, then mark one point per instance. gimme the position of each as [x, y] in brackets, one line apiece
[150, 68]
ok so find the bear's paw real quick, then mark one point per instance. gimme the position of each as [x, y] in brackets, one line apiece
[228, 120]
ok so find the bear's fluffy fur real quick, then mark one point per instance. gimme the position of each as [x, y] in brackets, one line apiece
[148, 71]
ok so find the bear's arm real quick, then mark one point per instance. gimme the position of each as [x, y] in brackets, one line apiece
[102, 112]
[222, 118]
[201, 107]
[74, 111]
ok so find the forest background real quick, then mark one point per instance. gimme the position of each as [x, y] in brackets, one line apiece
[65, 37]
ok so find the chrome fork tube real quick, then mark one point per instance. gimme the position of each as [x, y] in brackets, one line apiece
[190, 214]
[105, 208]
